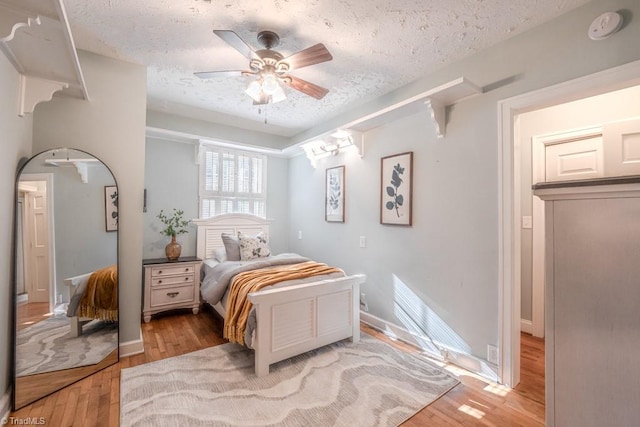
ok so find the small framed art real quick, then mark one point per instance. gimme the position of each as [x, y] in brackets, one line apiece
[111, 207]
[334, 194]
[396, 189]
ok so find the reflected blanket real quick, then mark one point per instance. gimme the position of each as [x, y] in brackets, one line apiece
[100, 299]
[238, 305]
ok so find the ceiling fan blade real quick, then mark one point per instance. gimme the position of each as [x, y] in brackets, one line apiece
[237, 43]
[305, 87]
[309, 56]
[210, 74]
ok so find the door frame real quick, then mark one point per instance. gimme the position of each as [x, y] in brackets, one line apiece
[48, 178]
[509, 212]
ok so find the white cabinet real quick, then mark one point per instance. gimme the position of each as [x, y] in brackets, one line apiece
[171, 285]
[592, 296]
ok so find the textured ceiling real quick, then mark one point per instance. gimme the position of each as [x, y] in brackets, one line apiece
[377, 46]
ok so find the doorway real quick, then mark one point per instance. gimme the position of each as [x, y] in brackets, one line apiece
[35, 255]
[510, 184]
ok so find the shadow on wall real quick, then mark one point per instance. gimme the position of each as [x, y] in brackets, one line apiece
[433, 334]
[419, 319]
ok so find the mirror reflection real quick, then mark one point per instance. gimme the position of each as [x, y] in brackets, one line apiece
[66, 317]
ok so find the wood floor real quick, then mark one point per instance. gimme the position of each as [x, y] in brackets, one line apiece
[94, 401]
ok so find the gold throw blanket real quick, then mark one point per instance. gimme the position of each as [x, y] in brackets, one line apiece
[238, 305]
[100, 299]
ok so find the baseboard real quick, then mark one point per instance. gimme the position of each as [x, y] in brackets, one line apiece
[436, 350]
[130, 348]
[526, 326]
[5, 406]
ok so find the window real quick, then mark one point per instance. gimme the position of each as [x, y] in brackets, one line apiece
[232, 181]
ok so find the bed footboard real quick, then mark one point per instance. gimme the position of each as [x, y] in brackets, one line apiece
[300, 318]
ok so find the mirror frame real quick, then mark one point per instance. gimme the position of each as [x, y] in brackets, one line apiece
[81, 373]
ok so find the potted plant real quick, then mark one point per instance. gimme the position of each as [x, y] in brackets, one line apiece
[173, 225]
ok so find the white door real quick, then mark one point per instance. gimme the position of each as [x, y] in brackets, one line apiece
[38, 259]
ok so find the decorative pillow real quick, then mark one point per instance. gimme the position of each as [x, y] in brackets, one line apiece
[220, 254]
[231, 246]
[252, 247]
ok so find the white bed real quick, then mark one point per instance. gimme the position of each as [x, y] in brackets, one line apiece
[77, 286]
[75, 283]
[294, 319]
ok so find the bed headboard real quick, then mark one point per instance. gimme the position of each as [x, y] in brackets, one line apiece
[209, 230]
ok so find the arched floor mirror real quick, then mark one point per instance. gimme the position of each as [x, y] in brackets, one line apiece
[66, 282]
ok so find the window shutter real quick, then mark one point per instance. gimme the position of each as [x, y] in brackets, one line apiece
[232, 181]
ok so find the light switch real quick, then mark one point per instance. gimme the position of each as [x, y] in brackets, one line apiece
[363, 242]
[527, 222]
[299, 234]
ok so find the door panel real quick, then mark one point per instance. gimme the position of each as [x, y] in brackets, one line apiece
[39, 247]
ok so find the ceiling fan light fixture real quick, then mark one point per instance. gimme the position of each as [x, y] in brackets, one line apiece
[253, 90]
[270, 84]
[278, 95]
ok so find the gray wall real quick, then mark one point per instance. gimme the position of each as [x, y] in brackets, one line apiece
[82, 243]
[171, 180]
[449, 258]
[16, 144]
[111, 127]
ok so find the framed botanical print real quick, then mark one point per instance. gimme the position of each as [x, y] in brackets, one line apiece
[111, 207]
[396, 189]
[334, 194]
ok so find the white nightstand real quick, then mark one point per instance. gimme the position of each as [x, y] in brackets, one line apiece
[171, 284]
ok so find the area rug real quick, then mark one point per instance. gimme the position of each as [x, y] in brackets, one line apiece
[368, 383]
[48, 346]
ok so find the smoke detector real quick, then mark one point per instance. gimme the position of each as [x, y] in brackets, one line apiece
[605, 25]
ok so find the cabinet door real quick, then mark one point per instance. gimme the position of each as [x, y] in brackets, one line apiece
[622, 142]
[574, 159]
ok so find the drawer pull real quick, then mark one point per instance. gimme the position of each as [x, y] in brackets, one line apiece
[172, 294]
[160, 272]
[159, 281]
[186, 279]
[186, 269]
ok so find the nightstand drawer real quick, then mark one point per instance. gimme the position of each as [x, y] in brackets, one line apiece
[169, 296]
[172, 280]
[172, 271]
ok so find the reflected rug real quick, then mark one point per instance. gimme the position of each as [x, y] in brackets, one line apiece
[350, 384]
[47, 345]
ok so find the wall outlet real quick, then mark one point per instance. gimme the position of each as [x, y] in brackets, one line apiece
[299, 234]
[493, 354]
[363, 242]
[59, 299]
[363, 302]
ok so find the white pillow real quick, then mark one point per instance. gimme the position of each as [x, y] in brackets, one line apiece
[220, 255]
[252, 247]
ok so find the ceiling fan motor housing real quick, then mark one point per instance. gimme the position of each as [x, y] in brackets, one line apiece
[268, 39]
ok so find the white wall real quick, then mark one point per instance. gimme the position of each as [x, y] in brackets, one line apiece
[111, 126]
[444, 269]
[16, 144]
[592, 111]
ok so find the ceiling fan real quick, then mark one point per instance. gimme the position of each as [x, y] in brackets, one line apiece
[272, 68]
